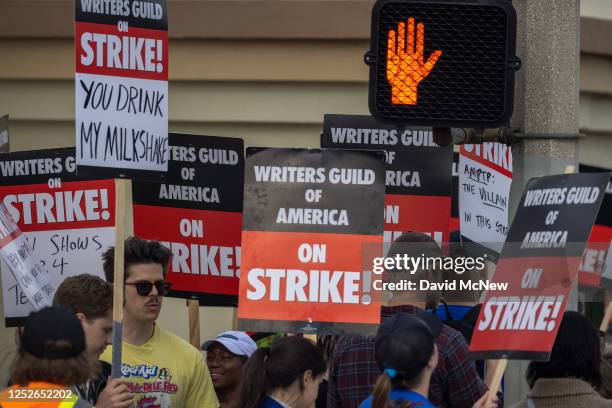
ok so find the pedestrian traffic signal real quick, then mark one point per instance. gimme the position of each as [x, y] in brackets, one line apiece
[442, 62]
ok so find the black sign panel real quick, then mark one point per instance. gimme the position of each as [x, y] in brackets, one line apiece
[337, 175]
[555, 215]
[150, 14]
[415, 164]
[204, 172]
[38, 166]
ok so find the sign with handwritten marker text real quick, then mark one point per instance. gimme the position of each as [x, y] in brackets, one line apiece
[68, 221]
[121, 89]
[485, 175]
[29, 273]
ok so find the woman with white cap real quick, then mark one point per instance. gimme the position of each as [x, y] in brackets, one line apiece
[225, 357]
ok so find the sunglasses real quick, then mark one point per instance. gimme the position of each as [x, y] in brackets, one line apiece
[143, 288]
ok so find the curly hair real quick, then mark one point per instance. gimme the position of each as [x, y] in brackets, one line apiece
[87, 294]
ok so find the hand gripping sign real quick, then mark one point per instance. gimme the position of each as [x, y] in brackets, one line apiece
[29, 273]
[308, 217]
[539, 263]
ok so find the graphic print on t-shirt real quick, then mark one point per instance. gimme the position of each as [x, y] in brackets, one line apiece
[153, 383]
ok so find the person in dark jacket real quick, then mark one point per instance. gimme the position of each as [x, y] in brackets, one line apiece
[287, 374]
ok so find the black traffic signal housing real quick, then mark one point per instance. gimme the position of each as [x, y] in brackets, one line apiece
[442, 63]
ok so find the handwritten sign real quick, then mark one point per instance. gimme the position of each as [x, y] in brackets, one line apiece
[68, 221]
[121, 89]
[31, 276]
[485, 175]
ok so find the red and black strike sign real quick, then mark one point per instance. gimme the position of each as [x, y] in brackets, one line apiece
[594, 260]
[311, 219]
[527, 297]
[121, 88]
[197, 213]
[67, 220]
[417, 177]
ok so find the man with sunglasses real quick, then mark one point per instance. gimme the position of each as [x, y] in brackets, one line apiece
[160, 368]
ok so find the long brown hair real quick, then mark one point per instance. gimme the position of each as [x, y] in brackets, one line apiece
[382, 388]
[380, 395]
[66, 371]
[279, 366]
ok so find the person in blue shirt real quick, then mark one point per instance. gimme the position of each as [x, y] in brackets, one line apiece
[286, 375]
[407, 355]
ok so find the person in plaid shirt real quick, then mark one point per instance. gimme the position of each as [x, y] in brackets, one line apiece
[353, 369]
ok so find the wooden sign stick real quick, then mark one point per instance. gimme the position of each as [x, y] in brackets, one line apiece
[193, 306]
[606, 319]
[235, 319]
[121, 209]
[497, 377]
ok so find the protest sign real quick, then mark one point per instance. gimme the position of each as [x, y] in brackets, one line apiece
[197, 213]
[31, 276]
[606, 276]
[485, 175]
[67, 221]
[537, 268]
[308, 217]
[417, 178]
[454, 217]
[121, 88]
[592, 265]
[4, 135]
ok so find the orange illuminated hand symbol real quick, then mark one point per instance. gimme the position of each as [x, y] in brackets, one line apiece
[405, 66]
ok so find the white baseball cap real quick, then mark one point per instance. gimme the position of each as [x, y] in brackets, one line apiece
[236, 342]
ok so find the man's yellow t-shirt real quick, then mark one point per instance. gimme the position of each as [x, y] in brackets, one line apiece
[166, 372]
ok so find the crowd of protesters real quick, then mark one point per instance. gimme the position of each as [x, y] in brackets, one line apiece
[417, 359]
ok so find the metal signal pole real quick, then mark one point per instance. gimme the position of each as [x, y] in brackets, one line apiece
[546, 111]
